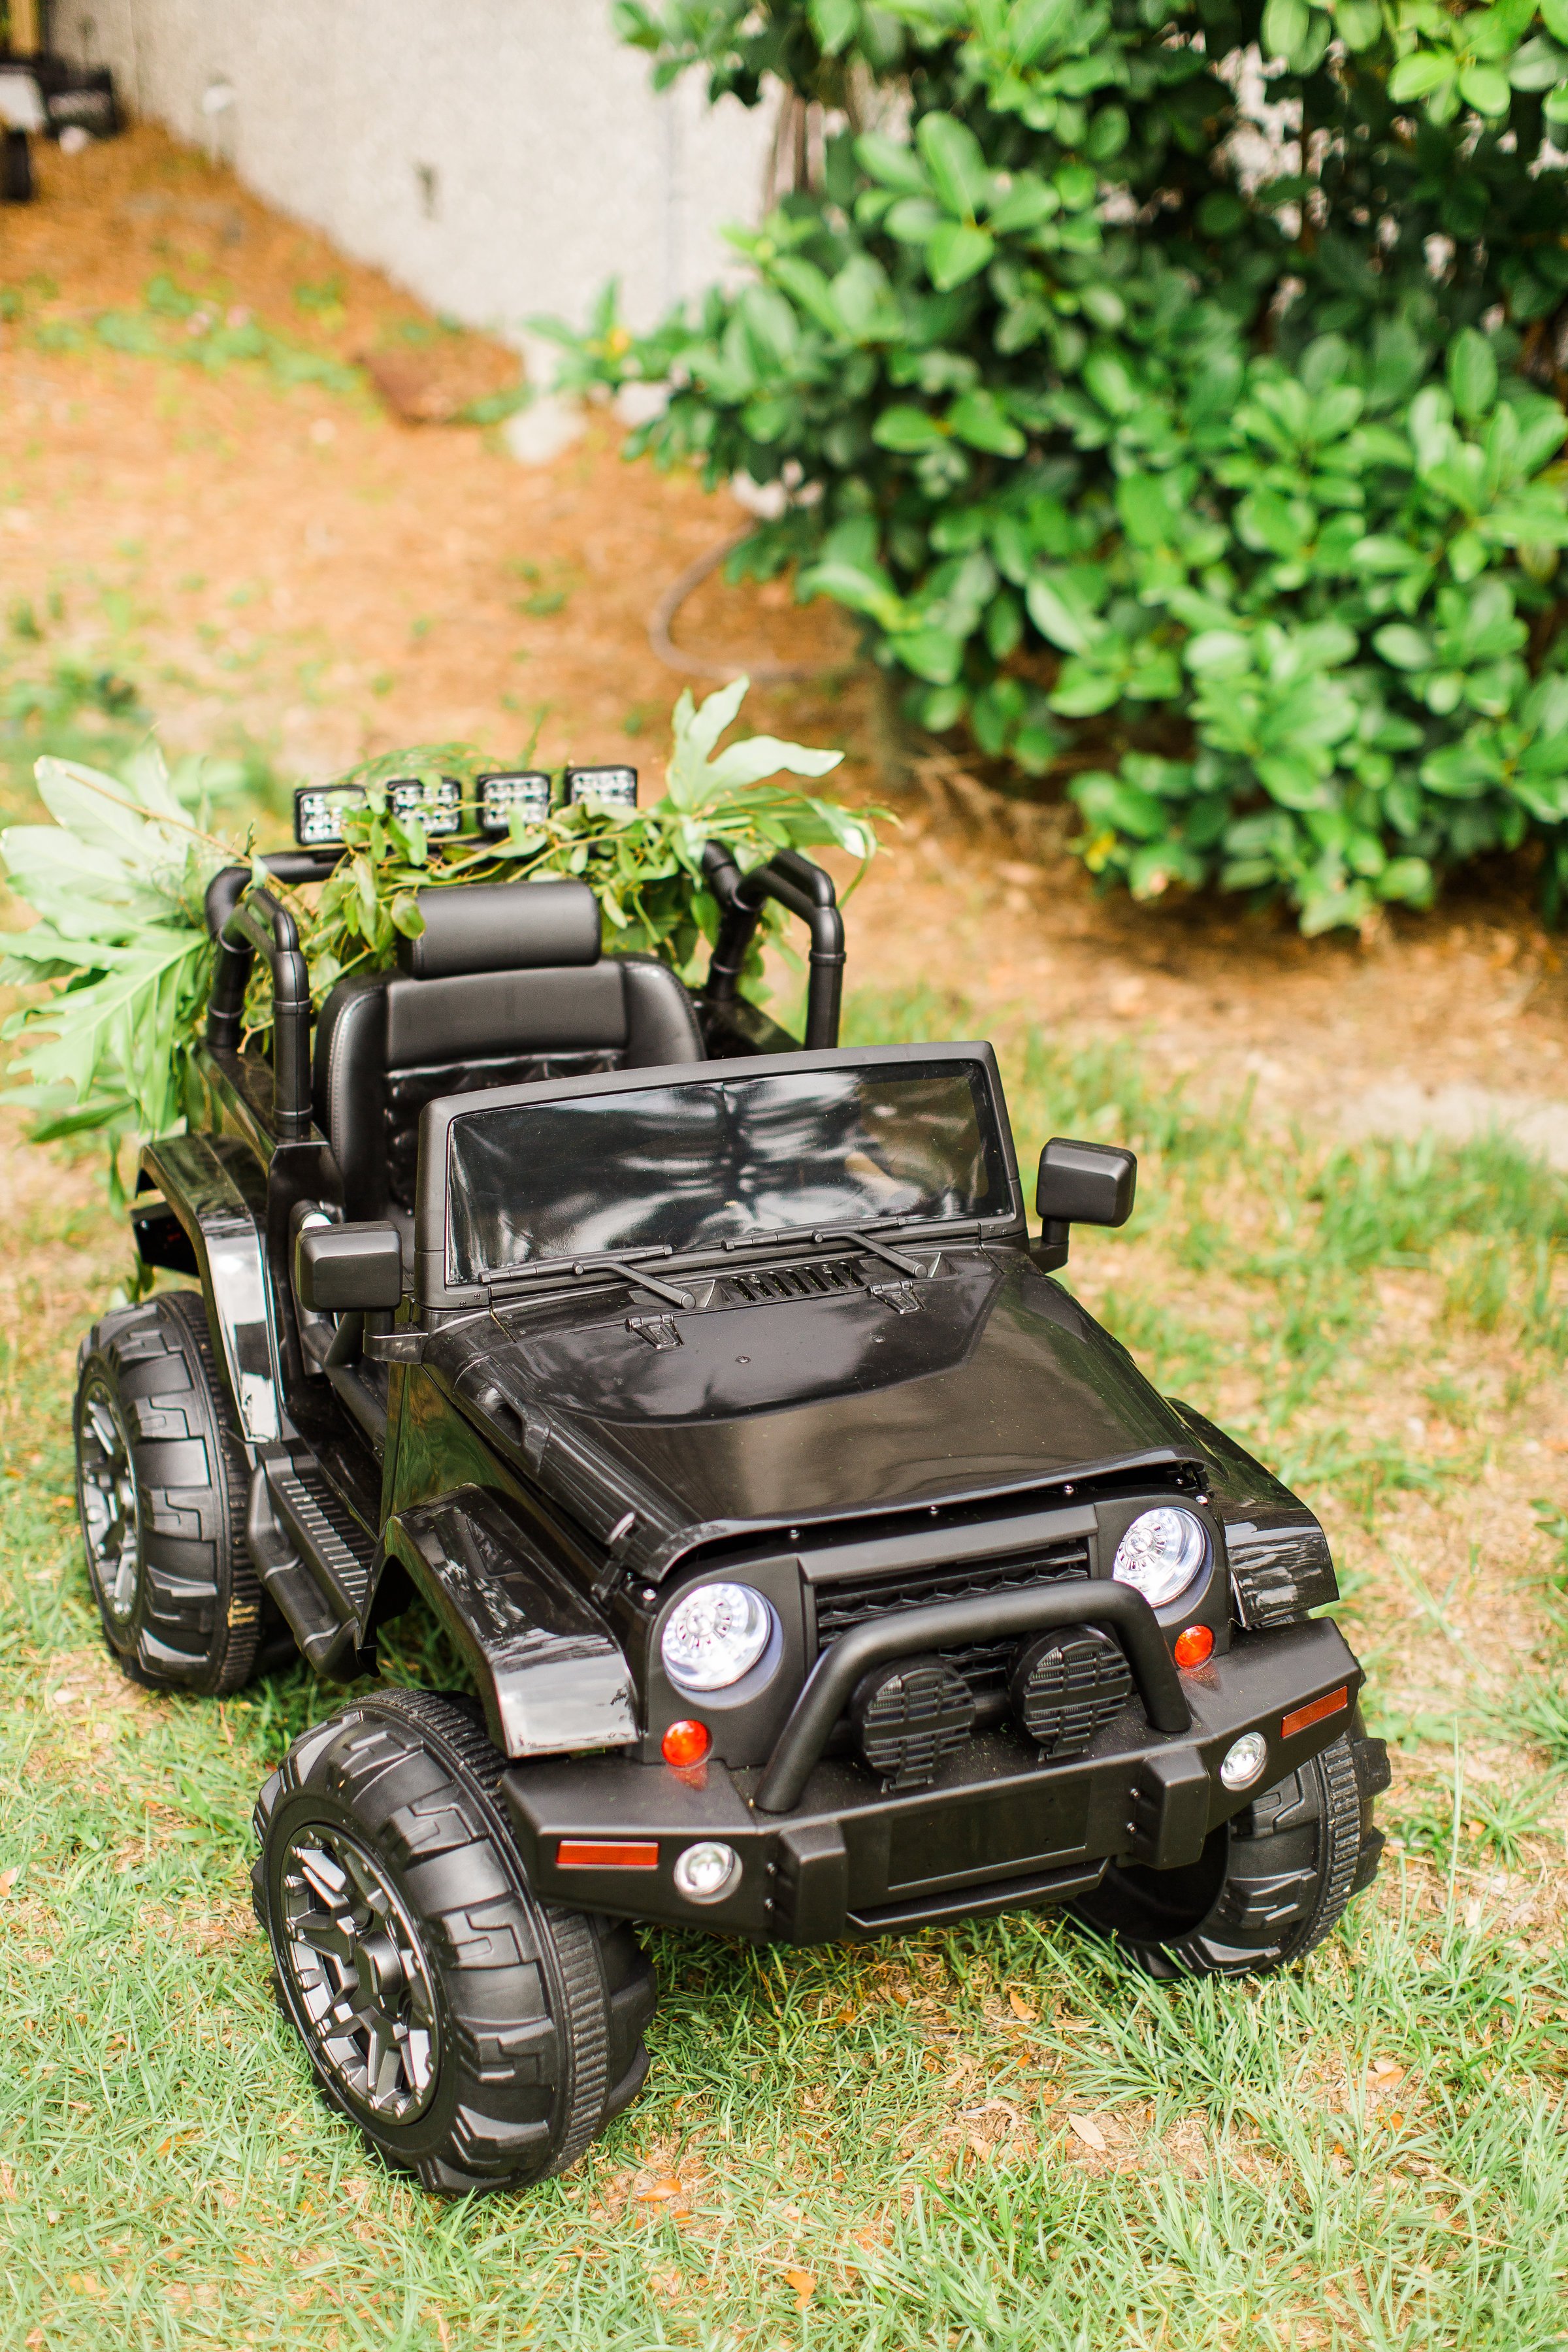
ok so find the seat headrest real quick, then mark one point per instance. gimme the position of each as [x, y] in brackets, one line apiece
[503, 927]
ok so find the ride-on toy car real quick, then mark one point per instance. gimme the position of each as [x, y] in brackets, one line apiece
[822, 1568]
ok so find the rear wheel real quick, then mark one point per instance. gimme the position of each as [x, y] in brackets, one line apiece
[162, 1481]
[476, 2035]
[1269, 1886]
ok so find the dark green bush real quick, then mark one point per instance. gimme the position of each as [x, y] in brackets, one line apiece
[1211, 467]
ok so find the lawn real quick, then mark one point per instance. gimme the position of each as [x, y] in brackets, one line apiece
[990, 2138]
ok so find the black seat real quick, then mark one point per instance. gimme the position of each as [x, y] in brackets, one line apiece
[506, 983]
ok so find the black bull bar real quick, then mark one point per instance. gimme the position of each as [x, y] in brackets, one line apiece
[950, 1625]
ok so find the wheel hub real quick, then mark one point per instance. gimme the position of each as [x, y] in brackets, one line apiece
[360, 1973]
[110, 1512]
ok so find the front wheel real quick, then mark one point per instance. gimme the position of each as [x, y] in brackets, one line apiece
[476, 2036]
[1269, 1886]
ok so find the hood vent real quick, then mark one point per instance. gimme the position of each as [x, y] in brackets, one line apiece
[793, 1282]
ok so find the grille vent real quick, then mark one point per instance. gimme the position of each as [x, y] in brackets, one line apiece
[793, 1282]
[984, 1665]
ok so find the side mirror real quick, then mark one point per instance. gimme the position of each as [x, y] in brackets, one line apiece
[340, 1268]
[1083, 1184]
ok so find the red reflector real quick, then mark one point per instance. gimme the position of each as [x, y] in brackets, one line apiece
[1194, 1645]
[605, 1854]
[1314, 1712]
[686, 1743]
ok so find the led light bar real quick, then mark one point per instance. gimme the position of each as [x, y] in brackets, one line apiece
[527, 789]
[439, 806]
[616, 787]
[319, 811]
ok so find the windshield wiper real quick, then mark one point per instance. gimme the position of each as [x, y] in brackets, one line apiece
[863, 1239]
[621, 1262]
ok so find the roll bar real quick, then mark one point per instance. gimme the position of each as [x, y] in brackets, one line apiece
[795, 883]
[248, 922]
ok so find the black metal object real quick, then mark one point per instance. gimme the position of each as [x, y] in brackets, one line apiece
[806, 891]
[946, 1627]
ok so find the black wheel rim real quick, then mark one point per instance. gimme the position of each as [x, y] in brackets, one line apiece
[110, 1515]
[360, 1974]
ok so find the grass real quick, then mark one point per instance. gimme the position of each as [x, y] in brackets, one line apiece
[993, 2137]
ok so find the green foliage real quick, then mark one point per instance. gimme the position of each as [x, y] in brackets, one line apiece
[118, 881]
[1169, 428]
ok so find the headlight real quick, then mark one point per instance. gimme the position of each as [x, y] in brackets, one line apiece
[1161, 1553]
[716, 1634]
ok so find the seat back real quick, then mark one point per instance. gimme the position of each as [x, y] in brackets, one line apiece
[506, 983]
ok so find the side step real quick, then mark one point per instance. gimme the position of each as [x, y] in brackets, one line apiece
[313, 1556]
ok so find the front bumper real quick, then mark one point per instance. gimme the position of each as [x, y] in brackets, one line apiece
[997, 1829]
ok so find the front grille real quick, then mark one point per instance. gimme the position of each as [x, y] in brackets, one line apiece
[859, 1601]
[793, 1282]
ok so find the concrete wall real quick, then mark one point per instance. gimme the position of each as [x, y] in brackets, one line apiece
[497, 157]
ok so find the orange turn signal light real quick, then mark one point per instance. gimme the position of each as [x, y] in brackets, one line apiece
[1194, 1647]
[686, 1743]
[606, 1853]
[1315, 1711]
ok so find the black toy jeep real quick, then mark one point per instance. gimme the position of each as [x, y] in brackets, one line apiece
[822, 1569]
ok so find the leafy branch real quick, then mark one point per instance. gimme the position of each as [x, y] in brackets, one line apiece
[118, 882]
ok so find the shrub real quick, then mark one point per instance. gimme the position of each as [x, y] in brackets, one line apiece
[1176, 425]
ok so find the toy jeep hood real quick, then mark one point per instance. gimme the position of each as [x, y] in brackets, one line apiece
[984, 1378]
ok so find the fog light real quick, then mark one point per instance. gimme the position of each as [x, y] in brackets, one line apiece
[686, 1743]
[1244, 1760]
[908, 1716]
[1066, 1686]
[705, 1872]
[1194, 1646]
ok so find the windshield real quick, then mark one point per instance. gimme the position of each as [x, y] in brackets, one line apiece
[693, 1165]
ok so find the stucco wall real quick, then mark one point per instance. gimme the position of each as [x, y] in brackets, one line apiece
[497, 157]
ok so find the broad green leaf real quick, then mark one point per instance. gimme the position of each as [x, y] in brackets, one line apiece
[892, 163]
[1539, 65]
[959, 171]
[1358, 23]
[1062, 612]
[956, 252]
[1486, 89]
[834, 23]
[978, 418]
[1285, 23]
[1472, 373]
[1404, 647]
[908, 429]
[933, 653]
[1421, 73]
[1029, 201]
